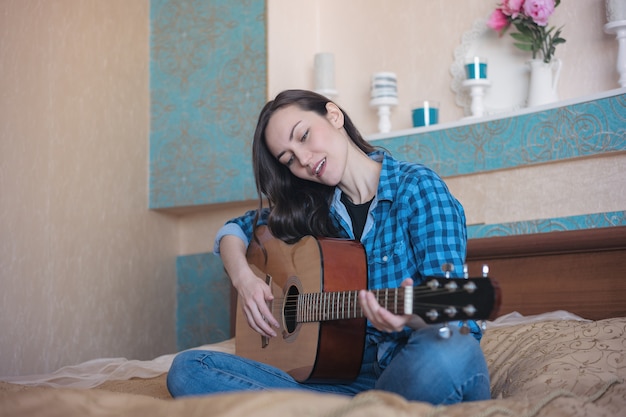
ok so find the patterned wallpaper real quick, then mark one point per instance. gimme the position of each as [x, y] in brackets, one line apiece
[581, 222]
[576, 130]
[207, 84]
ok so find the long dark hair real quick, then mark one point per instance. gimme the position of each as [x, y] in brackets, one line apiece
[297, 207]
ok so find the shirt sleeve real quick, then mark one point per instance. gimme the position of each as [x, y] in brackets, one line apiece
[241, 227]
[438, 229]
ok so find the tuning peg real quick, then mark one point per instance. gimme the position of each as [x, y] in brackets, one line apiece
[451, 311]
[432, 314]
[470, 287]
[469, 309]
[445, 332]
[447, 269]
[452, 286]
[485, 271]
[465, 271]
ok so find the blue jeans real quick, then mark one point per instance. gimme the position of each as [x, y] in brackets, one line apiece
[423, 367]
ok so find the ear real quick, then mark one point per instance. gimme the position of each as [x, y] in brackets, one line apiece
[334, 114]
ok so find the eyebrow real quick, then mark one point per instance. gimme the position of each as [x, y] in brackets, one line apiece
[290, 138]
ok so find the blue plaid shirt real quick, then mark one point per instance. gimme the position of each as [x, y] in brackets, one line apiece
[414, 226]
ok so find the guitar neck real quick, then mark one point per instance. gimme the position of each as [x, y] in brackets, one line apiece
[438, 300]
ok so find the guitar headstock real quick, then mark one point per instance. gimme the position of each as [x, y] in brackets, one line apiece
[443, 299]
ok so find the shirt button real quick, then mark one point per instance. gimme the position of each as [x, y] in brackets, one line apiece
[385, 258]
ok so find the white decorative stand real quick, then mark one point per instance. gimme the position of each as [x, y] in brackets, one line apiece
[384, 95]
[477, 89]
[384, 105]
[618, 28]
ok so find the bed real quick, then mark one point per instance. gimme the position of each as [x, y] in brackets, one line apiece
[558, 348]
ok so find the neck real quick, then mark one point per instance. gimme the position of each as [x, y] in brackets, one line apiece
[360, 181]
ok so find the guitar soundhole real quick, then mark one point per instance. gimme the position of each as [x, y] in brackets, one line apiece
[290, 309]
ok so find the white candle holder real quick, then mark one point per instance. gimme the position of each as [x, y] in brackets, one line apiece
[384, 106]
[384, 96]
[477, 88]
[618, 28]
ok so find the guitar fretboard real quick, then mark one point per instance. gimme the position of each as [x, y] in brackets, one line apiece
[344, 304]
[436, 300]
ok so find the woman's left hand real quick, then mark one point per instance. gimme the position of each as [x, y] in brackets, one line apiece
[381, 318]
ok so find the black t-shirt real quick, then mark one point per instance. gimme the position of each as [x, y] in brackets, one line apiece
[358, 214]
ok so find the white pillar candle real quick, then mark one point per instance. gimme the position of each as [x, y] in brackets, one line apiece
[324, 72]
[615, 10]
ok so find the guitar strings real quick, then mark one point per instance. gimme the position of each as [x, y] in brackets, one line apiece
[288, 305]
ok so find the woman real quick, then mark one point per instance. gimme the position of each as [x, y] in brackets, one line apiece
[322, 178]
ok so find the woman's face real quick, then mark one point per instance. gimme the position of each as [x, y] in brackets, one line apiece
[314, 147]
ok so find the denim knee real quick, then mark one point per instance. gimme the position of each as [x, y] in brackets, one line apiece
[185, 376]
[439, 371]
[176, 376]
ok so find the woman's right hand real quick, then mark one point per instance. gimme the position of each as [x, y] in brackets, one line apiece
[254, 293]
[254, 297]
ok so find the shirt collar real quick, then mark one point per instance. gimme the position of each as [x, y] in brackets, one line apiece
[388, 182]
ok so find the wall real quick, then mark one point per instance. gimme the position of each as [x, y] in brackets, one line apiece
[86, 270]
[416, 39]
[373, 35]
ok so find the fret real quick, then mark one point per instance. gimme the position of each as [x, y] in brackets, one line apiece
[342, 305]
[319, 305]
[395, 301]
[319, 314]
[298, 310]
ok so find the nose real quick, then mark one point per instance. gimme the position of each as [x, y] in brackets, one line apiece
[303, 157]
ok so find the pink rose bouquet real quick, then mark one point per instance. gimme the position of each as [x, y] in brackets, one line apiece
[530, 18]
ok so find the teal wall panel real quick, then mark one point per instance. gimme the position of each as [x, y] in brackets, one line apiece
[581, 222]
[570, 131]
[208, 81]
[203, 294]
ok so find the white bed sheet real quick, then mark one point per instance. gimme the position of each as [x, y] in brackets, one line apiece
[97, 371]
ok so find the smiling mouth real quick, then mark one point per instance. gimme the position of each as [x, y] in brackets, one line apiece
[319, 167]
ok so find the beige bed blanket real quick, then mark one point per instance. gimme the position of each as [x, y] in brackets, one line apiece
[543, 368]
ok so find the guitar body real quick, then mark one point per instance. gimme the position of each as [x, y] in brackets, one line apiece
[311, 351]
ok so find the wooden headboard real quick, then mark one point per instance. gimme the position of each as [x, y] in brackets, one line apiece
[581, 271]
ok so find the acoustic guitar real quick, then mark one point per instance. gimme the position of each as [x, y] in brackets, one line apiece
[315, 283]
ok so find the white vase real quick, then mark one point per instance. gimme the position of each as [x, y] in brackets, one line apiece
[544, 79]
